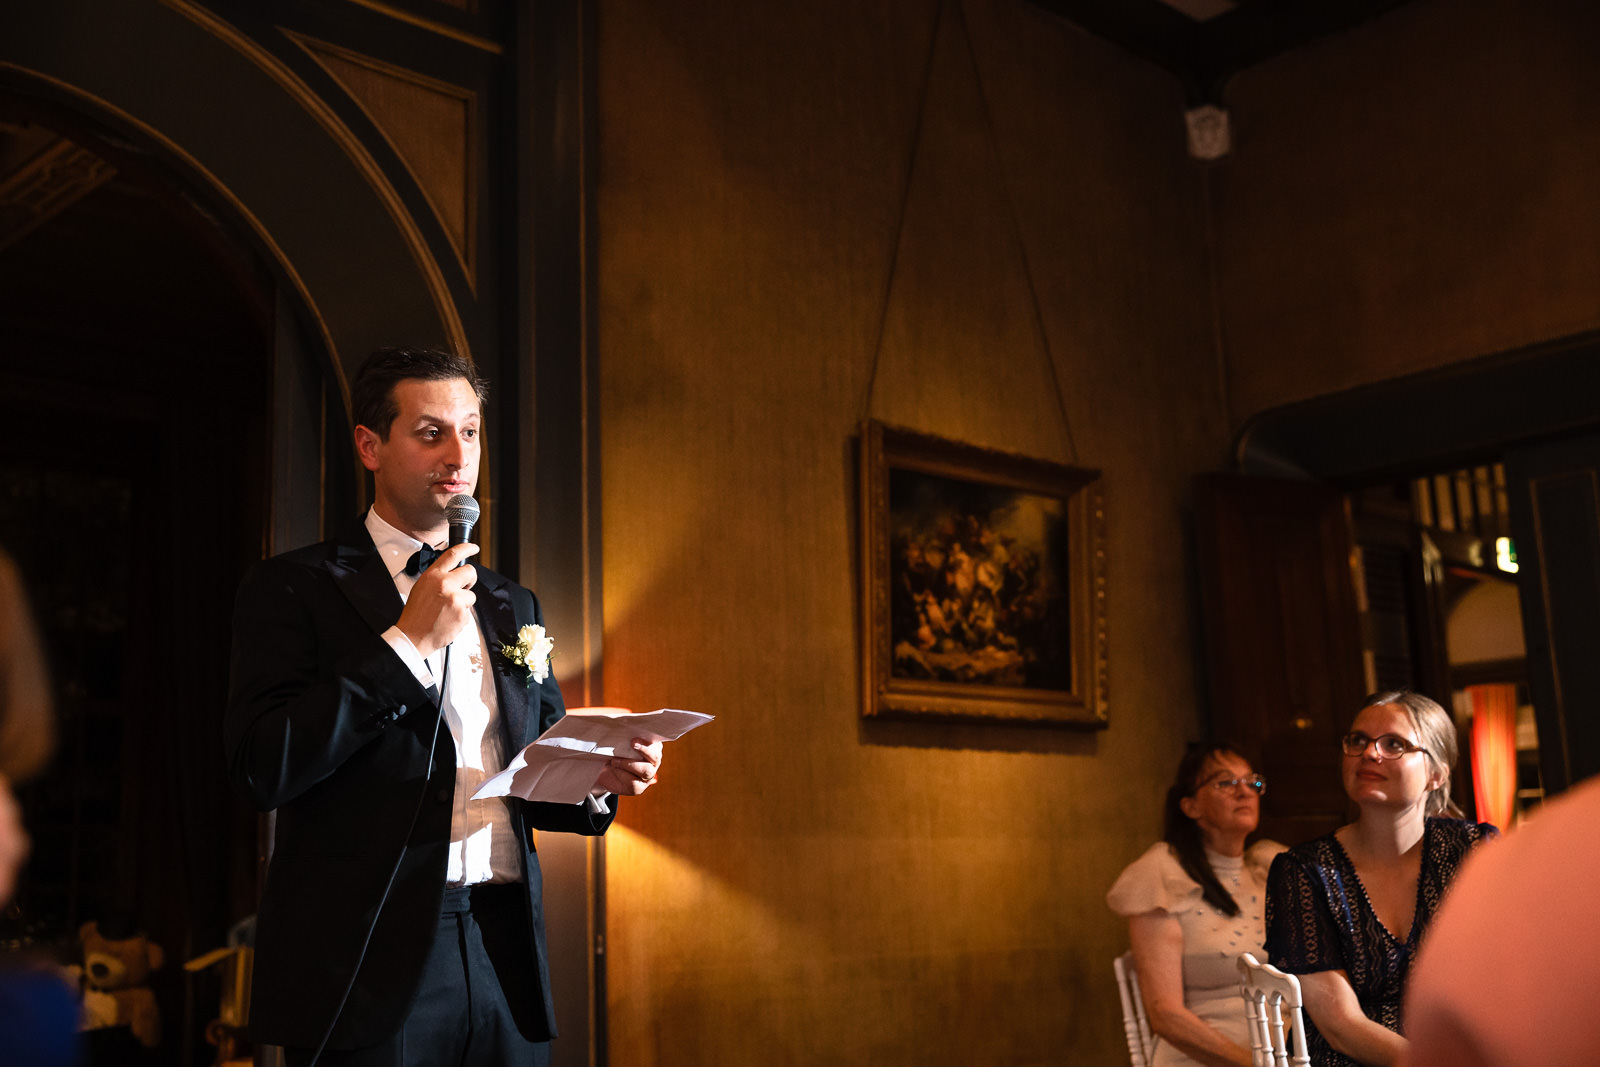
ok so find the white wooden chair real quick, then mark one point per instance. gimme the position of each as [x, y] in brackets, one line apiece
[1141, 1044]
[1272, 1003]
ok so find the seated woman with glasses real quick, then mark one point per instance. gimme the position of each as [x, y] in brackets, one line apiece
[1346, 912]
[1193, 903]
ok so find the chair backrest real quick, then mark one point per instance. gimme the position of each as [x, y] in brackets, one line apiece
[1141, 1045]
[1272, 1004]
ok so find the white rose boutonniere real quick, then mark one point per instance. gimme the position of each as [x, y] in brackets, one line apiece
[531, 652]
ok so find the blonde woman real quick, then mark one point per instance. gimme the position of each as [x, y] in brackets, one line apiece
[1347, 912]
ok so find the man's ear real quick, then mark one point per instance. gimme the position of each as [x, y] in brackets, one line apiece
[367, 444]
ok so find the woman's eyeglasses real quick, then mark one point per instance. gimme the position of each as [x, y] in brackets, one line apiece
[1390, 746]
[1253, 782]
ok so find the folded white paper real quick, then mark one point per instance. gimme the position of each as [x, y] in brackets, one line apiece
[561, 764]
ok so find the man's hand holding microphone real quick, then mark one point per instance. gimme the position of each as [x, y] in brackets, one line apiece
[439, 606]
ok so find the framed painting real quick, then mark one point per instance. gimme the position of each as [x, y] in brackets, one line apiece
[984, 583]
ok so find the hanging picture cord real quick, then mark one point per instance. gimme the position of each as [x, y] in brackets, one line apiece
[905, 203]
[1011, 209]
[1016, 232]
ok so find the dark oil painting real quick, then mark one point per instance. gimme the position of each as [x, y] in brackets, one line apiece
[978, 576]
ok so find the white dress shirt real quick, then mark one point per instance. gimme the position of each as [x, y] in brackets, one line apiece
[483, 846]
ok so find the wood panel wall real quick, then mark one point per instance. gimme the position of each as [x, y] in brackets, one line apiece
[1410, 194]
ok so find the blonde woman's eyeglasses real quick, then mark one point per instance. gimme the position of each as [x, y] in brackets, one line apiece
[1390, 746]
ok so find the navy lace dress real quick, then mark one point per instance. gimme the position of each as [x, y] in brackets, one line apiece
[1319, 919]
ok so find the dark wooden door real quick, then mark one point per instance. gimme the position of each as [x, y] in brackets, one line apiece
[1555, 524]
[1282, 640]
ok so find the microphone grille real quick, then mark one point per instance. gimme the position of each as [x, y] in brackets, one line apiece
[461, 510]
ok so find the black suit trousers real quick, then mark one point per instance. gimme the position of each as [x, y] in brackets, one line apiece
[479, 1004]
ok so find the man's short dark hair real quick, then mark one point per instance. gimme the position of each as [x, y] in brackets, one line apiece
[372, 402]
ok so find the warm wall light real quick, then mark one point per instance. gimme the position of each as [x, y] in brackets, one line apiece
[672, 897]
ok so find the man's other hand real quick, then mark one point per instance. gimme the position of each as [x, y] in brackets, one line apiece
[629, 777]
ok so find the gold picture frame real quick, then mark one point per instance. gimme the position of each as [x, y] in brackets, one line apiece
[983, 583]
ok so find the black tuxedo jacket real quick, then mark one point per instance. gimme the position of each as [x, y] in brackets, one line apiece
[327, 725]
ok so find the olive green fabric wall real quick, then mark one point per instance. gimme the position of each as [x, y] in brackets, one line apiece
[804, 887]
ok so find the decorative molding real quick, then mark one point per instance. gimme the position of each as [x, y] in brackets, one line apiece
[350, 144]
[1099, 682]
[1488, 672]
[431, 125]
[482, 43]
[269, 245]
[54, 174]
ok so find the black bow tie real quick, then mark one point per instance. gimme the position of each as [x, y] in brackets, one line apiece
[420, 559]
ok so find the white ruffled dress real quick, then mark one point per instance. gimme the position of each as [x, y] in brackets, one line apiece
[1212, 941]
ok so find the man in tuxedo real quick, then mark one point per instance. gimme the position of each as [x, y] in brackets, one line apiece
[401, 923]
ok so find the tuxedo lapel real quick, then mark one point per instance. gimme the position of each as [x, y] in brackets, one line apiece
[497, 620]
[361, 576]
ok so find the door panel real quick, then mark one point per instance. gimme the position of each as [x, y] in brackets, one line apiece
[1555, 523]
[1281, 639]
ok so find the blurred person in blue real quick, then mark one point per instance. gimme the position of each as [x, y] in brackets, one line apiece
[38, 1009]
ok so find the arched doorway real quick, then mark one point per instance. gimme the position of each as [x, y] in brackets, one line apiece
[142, 353]
[388, 178]
[1397, 494]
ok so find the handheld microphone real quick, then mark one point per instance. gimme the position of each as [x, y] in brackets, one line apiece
[461, 511]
